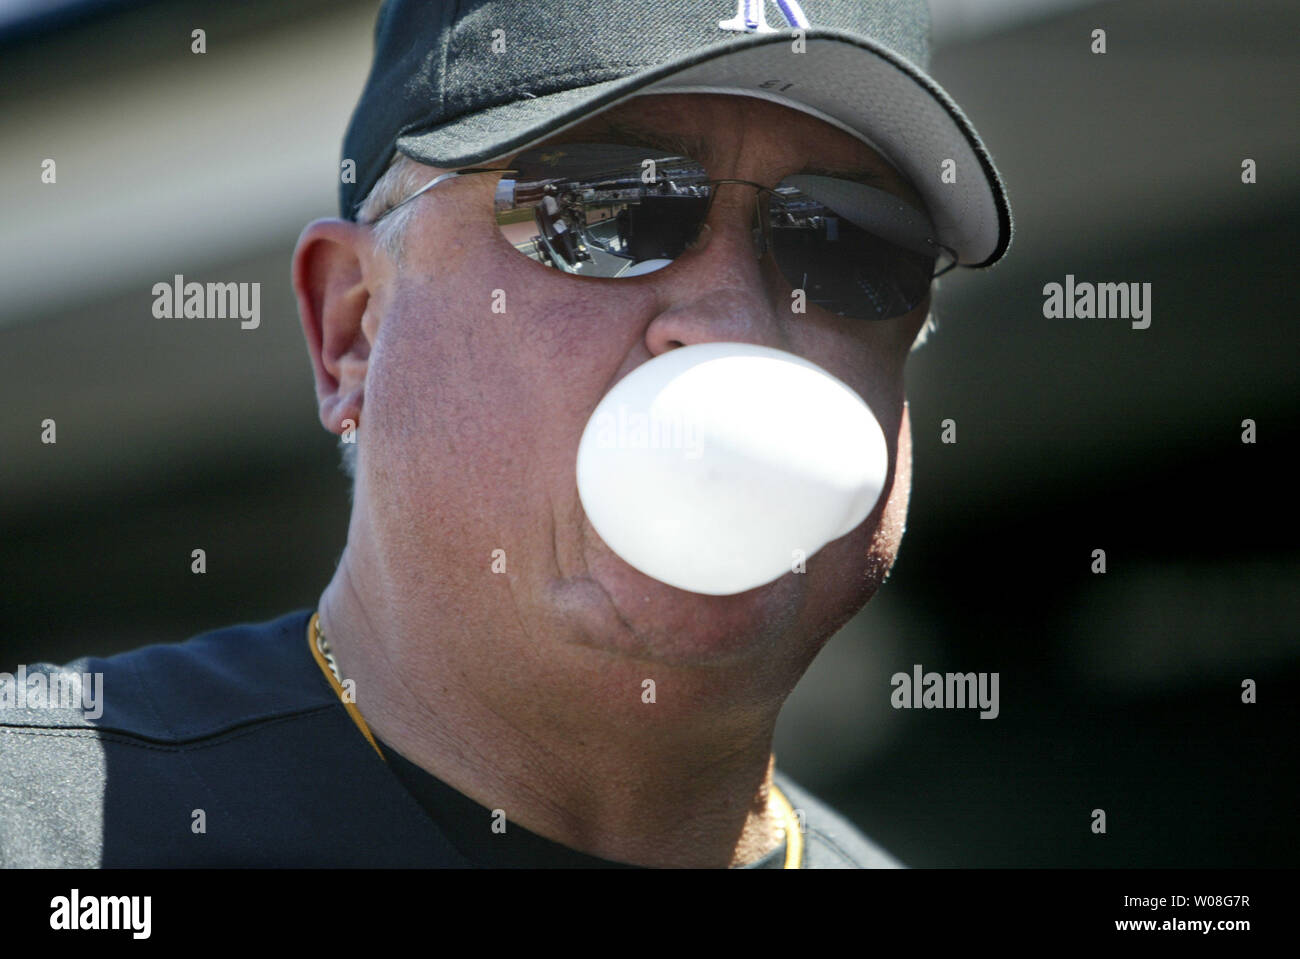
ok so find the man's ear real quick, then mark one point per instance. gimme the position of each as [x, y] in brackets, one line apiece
[332, 275]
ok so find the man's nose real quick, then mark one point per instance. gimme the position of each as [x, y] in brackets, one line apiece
[719, 292]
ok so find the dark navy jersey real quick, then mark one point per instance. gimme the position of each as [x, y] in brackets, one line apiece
[233, 749]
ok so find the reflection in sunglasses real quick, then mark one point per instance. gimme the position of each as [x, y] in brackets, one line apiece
[614, 211]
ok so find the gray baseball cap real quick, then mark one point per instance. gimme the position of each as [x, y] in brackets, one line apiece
[461, 82]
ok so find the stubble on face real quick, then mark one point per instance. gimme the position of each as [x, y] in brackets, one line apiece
[476, 415]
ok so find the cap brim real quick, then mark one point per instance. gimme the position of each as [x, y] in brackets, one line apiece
[846, 80]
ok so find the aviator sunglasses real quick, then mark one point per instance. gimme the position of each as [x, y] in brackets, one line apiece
[613, 211]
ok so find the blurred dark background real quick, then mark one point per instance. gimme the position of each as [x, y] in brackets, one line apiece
[1119, 691]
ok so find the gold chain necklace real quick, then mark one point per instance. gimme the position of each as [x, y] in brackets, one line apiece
[325, 658]
[323, 645]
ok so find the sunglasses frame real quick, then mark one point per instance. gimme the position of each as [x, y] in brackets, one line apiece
[471, 171]
[440, 178]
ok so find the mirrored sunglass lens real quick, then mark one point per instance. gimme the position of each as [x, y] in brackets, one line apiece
[855, 250]
[849, 272]
[602, 210]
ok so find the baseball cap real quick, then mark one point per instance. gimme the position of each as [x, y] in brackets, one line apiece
[458, 83]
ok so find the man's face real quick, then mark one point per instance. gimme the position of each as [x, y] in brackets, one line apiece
[472, 417]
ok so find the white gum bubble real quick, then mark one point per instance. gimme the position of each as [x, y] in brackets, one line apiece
[713, 467]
